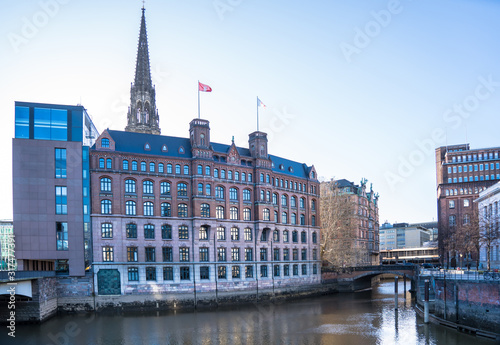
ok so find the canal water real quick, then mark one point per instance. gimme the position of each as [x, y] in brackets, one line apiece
[367, 317]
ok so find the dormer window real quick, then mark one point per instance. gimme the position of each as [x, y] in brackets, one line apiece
[282, 167]
[202, 139]
[147, 147]
[181, 150]
[164, 148]
[105, 142]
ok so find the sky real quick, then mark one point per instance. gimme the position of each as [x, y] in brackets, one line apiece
[359, 89]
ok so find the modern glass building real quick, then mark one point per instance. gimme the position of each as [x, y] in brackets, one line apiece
[6, 245]
[51, 187]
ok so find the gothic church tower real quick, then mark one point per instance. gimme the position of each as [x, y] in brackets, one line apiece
[142, 114]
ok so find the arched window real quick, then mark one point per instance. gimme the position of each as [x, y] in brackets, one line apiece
[147, 187]
[148, 209]
[219, 212]
[207, 170]
[243, 177]
[293, 201]
[303, 237]
[302, 203]
[105, 184]
[181, 189]
[302, 219]
[160, 168]
[202, 139]
[284, 200]
[205, 210]
[104, 142]
[186, 169]
[284, 218]
[313, 205]
[149, 232]
[246, 195]
[233, 194]
[178, 169]
[134, 165]
[314, 237]
[223, 173]
[216, 173]
[219, 192]
[313, 221]
[275, 198]
[101, 163]
[276, 220]
[293, 219]
[143, 166]
[221, 233]
[108, 163]
[151, 167]
[129, 186]
[248, 234]
[200, 170]
[235, 234]
[125, 164]
[200, 188]
[295, 237]
[165, 188]
[182, 210]
[105, 206]
[247, 214]
[233, 213]
[169, 168]
[166, 210]
[106, 230]
[166, 232]
[208, 189]
[130, 208]
[266, 214]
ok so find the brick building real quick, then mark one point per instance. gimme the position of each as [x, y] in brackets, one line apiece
[177, 214]
[365, 217]
[461, 174]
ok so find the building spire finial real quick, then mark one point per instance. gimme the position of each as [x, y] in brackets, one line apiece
[143, 116]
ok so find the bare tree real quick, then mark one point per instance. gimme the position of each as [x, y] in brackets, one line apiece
[339, 227]
[488, 222]
[467, 238]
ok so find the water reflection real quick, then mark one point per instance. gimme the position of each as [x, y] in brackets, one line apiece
[367, 317]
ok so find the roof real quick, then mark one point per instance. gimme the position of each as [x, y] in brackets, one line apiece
[135, 143]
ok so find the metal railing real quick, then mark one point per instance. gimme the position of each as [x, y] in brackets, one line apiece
[461, 274]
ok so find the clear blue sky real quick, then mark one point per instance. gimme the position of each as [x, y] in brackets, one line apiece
[358, 88]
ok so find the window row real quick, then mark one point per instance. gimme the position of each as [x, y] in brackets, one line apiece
[473, 178]
[237, 272]
[462, 191]
[471, 168]
[222, 254]
[287, 184]
[266, 216]
[473, 157]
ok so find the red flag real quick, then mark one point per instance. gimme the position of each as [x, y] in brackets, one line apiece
[204, 88]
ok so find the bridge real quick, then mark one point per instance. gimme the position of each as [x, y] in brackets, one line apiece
[359, 278]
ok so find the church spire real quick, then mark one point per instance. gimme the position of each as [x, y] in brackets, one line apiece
[142, 115]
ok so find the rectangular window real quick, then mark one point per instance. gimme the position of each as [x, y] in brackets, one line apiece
[286, 254]
[248, 271]
[184, 273]
[183, 232]
[276, 270]
[132, 255]
[235, 254]
[167, 254]
[204, 255]
[60, 160]
[248, 234]
[50, 124]
[107, 253]
[221, 254]
[131, 230]
[168, 273]
[205, 272]
[183, 254]
[276, 254]
[61, 200]
[286, 270]
[263, 271]
[235, 270]
[263, 254]
[150, 254]
[221, 272]
[150, 273]
[451, 203]
[133, 274]
[248, 254]
[62, 235]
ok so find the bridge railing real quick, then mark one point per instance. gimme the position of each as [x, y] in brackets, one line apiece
[378, 268]
[461, 274]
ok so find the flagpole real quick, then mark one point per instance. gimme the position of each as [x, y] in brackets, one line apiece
[257, 113]
[198, 99]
